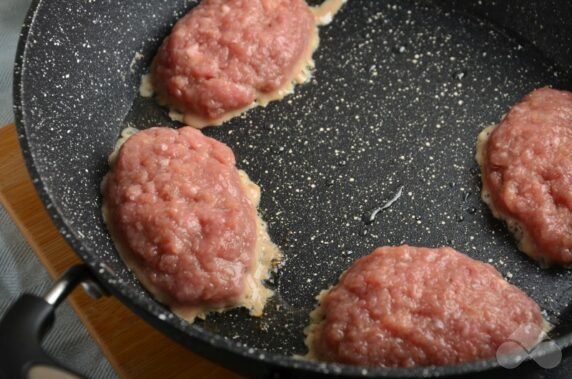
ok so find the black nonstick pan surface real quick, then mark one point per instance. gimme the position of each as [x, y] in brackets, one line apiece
[399, 95]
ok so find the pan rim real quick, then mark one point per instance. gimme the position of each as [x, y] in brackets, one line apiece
[194, 337]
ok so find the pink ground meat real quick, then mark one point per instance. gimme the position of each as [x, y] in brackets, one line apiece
[223, 52]
[407, 306]
[528, 171]
[175, 199]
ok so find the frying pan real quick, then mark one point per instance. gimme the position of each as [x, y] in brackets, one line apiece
[400, 93]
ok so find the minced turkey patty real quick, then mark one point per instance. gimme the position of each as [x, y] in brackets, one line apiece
[409, 306]
[526, 166]
[184, 218]
[225, 55]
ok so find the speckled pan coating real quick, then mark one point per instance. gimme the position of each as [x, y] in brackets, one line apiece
[402, 90]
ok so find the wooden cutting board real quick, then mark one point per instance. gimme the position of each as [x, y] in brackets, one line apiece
[134, 349]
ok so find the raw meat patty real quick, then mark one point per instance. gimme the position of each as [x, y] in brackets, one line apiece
[184, 219]
[225, 55]
[526, 167]
[409, 306]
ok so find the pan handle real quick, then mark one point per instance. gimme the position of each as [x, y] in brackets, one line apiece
[28, 321]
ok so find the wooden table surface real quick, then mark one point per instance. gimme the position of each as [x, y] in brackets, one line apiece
[134, 349]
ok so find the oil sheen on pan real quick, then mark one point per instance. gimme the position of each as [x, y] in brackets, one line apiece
[410, 306]
[526, 167]
[184, 219]
[225, 57]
